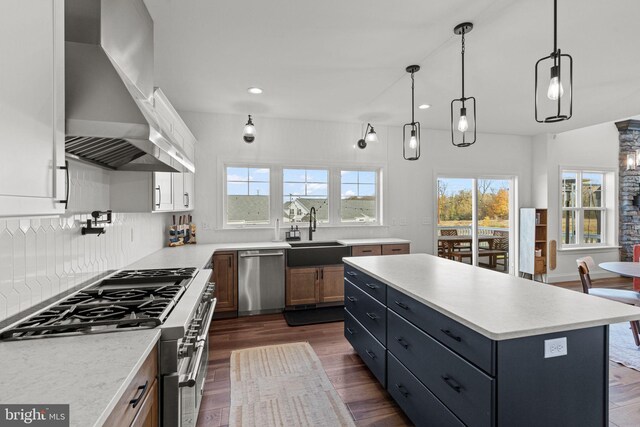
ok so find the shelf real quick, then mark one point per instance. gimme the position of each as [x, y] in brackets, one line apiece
[541, 225]
[541, 241]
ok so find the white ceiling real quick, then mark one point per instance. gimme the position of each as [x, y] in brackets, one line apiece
[343, 60]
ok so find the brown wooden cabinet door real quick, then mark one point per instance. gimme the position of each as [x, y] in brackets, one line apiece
[225, 276]
[148, 413]
[395, 249]
[368, 250]
[302, 286]
[332, 284]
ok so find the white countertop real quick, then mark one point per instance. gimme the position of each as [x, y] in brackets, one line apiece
[497, 305]
[379, 241]
[199, 255]
[88, 372]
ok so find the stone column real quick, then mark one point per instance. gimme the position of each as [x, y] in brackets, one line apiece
[629, 182]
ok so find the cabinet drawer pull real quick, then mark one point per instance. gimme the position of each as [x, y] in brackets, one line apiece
[143, 389]
[371, 286]
[451, 383]
[366, 251]
[352, 299]
[352, 273]
[159, 198]
[403, 391]
[450, 335]
[396, 250]
[68, 184]
[402, 305]
[351, 331]
[402, 342]
[372, 316]
[370, 353]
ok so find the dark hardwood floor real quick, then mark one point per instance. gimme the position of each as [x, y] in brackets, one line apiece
[369, 403]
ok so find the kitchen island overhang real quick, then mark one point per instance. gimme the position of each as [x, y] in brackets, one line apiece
[467, 345]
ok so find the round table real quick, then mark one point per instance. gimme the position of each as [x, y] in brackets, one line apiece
[628, 269]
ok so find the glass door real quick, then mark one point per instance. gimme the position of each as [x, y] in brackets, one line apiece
[494, 225]
[475, 221]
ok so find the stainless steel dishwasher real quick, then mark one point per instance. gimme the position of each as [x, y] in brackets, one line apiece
[260, 281]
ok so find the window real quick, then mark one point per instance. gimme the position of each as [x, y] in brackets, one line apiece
[303, 189]
[358, 196]
[247, 195]
[583, 208]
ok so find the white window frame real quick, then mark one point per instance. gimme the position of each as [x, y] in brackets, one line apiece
[225, 218]
[276, 189]
[378, 185]
[306, 168]
[579, 208]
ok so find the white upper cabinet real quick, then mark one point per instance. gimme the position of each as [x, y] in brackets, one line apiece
[172, 125]
[183, 185]
[32, 175]
[163, 191]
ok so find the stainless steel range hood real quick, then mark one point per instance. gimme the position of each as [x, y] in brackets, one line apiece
[110, 119]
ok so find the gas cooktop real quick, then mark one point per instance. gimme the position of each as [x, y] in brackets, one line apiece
[127, 299]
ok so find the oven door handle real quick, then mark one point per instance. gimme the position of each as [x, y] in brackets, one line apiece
[207, 320]
[189, 380]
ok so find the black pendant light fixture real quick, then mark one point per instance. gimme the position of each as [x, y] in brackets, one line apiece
[369, 136]
[556, 102]
[463, 110]
[249, 132]
[411, 131]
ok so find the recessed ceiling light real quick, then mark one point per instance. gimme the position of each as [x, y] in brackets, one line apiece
[424, 106]
[254, 90]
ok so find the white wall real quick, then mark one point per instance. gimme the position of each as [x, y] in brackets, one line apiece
[409, 186]
[591, 147]
[42, 257]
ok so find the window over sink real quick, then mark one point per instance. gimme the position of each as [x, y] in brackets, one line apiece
[247, 195]
[302, 190]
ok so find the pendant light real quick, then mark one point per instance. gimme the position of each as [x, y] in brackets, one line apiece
[369, 136]
[249, 132]
[555, 97]
[411, 139]
[463, 121]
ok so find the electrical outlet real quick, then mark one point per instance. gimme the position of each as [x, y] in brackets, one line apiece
[206, 226]
[555, 347]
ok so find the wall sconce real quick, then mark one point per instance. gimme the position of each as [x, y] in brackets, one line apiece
[249, 131]
[369, 136]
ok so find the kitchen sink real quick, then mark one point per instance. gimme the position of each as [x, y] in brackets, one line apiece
[313, 244]
[311, 254]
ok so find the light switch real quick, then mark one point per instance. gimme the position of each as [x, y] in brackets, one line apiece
[555, 347]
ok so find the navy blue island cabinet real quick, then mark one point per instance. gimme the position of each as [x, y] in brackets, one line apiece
[445, 370]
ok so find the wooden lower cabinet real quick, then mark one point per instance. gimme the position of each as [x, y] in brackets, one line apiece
[303, 286]
[225, 276]
[395, 249]
[148, 413]
[313, 285]
[332, 284]
[141, 392]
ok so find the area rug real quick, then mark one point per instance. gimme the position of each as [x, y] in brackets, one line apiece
[622, 347]
[283, 385]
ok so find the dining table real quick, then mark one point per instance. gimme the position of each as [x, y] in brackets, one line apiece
[623, 268]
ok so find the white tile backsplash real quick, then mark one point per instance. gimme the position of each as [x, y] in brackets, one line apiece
[42, 257]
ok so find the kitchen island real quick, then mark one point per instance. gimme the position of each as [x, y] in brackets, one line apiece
[461, 345]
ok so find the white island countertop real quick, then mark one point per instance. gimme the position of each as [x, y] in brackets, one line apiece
[88, 372]
[496, 305]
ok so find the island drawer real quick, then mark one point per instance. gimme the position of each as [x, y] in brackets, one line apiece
[366, 310]
[372, 286]
[372, 353]
[420, 405]
[464, 389]
[473, 346]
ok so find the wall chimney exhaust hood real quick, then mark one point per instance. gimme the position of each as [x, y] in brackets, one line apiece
[110, 116]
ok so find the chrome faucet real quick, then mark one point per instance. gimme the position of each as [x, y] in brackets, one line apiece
[312, 222]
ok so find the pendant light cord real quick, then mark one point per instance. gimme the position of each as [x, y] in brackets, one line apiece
[462, 54]
[413, 119]
[555, 26]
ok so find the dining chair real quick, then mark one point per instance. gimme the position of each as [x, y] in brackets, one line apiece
[636, 258]
[619, 295]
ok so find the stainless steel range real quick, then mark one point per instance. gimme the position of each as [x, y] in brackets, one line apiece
[179, 301]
